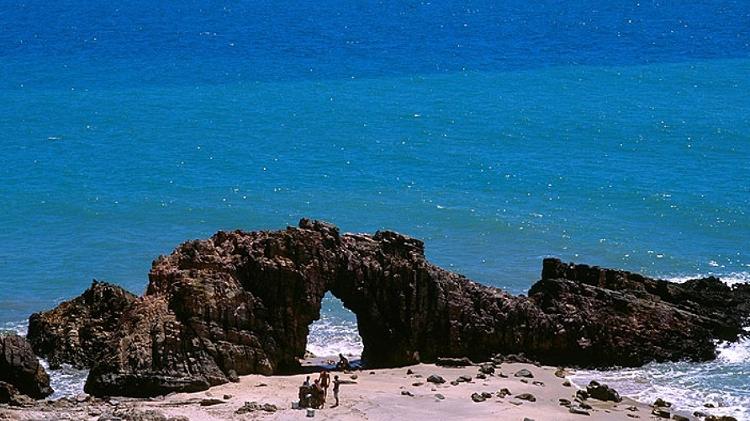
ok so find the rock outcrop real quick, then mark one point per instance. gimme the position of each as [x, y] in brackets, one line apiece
[75, 332]
[242, 302]
[20, 371]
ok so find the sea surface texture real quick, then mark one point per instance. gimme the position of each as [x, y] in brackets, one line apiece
[608, 133]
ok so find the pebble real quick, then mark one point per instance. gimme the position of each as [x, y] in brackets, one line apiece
[577, 410]
[524, 373]
[476, 397]
[406, 393]
[439, 396]
[434, 378]
[526, 397]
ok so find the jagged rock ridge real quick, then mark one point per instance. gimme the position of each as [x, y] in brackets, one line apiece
[242, 302]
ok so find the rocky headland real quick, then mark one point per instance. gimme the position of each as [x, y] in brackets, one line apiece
[242, 302]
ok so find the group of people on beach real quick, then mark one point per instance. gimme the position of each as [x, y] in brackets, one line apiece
[313, 395]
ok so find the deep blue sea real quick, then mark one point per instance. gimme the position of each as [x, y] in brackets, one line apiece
[609, 133]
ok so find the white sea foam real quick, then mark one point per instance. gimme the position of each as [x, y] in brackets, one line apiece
[66, 381]
[689, 386]
[728, 278]
[329, 337]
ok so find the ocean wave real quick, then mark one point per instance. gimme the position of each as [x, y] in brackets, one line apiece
[329, 337]
[19, 327]
[65, 381]
[689, 386]
[731, 278]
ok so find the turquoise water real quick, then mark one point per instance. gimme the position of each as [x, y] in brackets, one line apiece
[498, 134]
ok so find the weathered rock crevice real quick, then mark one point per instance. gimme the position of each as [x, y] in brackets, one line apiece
[242, 302]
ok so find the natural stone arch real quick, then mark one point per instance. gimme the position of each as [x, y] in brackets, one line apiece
[242, 302]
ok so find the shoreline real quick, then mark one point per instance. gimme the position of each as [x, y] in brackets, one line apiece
[382, 394]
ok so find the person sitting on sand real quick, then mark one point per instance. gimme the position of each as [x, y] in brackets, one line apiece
[325, 381]
[343, 364]
[336, 384]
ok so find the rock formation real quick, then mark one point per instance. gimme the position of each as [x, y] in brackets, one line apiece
[20, 371]
[242, 302]
[75, 331]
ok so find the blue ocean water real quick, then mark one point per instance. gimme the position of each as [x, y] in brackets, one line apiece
[610, 134]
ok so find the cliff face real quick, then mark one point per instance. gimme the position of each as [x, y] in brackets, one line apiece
[242, 303]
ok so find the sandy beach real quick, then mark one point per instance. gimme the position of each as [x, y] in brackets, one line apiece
[386, 394]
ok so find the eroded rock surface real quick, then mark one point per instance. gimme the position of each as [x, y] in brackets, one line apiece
[76, 331]
[242, 302]
[20, 370]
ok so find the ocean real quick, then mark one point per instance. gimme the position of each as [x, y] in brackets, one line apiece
[615, 134]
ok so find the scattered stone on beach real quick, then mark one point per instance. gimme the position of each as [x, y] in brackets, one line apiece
[487, 368]
[249, 407]
[454, 362]
[526, 397]
[632, 408]
[464, 379]
[720, 418]
[476, 397]
[709, 405]
[567, 383]
[516, 403]
[678, 417]
[602, 392]
[538, 383]
[561, 372]
[502, 375]
[582, 394]
[454, 383]
[439, 396]
[408, 372]
[503, 392]
[524, 373]
[481, 376]
[584, 405]
[528, 419]
[132, 414]
[211, 402]
[661, 412]
[633, 415]
[434, 378]
[20, 368]
[524, 381]
[578, 411]
[565, 402]
[227, 397]
[417, 384]
[661, 403]
[406, 393]
[76, 331]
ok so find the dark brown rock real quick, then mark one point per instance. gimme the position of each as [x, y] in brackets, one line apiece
[242, 302]
[77, 330]
[602, 392]
[20, 368]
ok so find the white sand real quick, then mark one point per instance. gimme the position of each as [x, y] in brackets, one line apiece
[378, 397]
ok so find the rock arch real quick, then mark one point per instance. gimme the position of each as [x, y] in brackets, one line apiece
[242, 302]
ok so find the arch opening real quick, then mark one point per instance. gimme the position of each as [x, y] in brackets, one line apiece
[334, 332]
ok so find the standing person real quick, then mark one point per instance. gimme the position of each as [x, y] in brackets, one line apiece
[336, 383]
[306, 383]
[325, 381]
